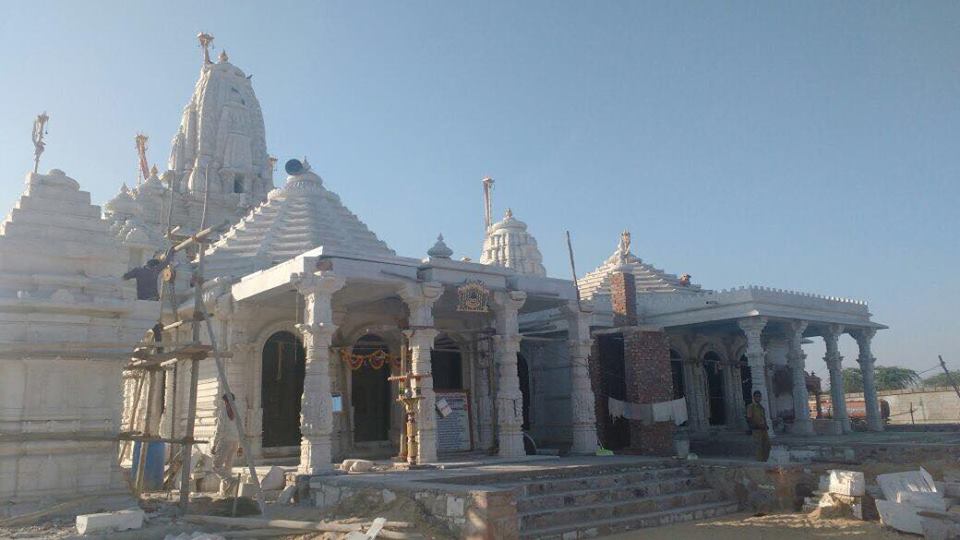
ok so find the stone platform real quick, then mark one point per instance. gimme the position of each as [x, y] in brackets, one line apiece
[540, 497]
[898, 446]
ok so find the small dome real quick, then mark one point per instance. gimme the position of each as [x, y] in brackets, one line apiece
[440, 250]
[300, 175]
[508, 244]
[122, 203]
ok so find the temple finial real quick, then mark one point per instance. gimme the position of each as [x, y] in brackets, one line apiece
[205, 41]
[223, 56]
[39, 130]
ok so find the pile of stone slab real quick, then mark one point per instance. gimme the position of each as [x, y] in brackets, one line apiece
[912, 502]
[841, 494]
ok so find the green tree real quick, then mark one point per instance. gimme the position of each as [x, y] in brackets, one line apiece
[887, 378]
[895, 378]
[852, 380]
[940, 380]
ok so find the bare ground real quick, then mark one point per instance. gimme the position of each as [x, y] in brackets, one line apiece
[769, 527]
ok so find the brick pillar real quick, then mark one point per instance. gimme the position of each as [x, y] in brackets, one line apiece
[646, 355]
[597, 384]
[623, 298]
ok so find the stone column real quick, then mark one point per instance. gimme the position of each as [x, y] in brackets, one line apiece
[583, 416]
[484, 399]
[420, 298]
[801, 407]
[866, 361]
[831, 338]
[509, 399]
[316, 409]
[756, 359]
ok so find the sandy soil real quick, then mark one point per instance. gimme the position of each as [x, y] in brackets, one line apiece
[770, 527]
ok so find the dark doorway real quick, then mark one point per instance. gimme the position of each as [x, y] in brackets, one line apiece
[676, 370]
[746, 384]
[523, 372]
[446, 365]
[714, 370]
[281, 389]
[615, 433]
[370, 392]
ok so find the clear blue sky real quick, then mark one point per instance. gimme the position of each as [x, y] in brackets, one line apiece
[803, 145]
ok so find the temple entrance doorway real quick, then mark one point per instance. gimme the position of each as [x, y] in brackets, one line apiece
[523, 372]
[370, 390]
[713, 367]
[746, 385]
[446, 364]
[281, 386]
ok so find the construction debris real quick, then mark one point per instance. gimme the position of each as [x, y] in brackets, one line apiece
[322, 526]
[906, 494]
[842, 495]
[122, 520]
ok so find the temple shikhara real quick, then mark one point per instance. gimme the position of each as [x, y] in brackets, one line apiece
[326, 344]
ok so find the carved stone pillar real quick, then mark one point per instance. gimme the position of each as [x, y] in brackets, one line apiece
[316, 409]
[756, 359]
[509, 399]
[866, 361]
[583, 416]
[420, 298]
[831, 338]
[736, 408]
[801, 407]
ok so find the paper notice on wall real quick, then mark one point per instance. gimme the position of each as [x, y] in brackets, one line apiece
[444, 408]
[453, 428]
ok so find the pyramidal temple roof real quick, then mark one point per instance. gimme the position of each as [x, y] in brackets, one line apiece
[649, 279]
[298, 217]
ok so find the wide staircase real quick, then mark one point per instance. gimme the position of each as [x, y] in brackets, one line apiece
[594, 501]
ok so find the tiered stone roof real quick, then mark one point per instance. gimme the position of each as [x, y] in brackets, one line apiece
[300, 216]
[508, 244]
[649, 279]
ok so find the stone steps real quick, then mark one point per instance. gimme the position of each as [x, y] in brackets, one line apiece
[580, 481]
[608, 494]
[591, 502]
[556, 517]
[603, 527]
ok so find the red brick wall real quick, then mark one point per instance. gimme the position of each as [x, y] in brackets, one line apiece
[649, 380]
[623, 297]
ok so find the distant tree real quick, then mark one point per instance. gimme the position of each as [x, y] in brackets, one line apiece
[852, 380]
[895, 378]
[887, 378]
[940, 380]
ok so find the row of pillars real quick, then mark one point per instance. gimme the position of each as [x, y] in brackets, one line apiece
[756, 359]
[318, 328]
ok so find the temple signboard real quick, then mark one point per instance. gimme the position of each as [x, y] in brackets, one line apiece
[453, 430]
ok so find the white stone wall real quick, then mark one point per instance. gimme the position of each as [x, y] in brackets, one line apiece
[551, 422]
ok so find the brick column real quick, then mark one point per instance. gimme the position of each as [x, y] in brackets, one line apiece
[623, 298]
[420, 298]
[583, 416]
[838, 401]
[801, 408]
[753, 329]
[866, 361]
[649, 380]
[316, 409]
[509, 399]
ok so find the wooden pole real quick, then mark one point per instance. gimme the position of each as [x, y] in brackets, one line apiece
[573, 269]
[949, 375]
[186, 465]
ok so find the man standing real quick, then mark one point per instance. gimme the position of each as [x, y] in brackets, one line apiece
[757, 420]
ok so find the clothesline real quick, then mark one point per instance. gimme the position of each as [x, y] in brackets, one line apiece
[649, 413]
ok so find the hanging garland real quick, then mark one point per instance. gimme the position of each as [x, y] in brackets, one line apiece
[376, 359]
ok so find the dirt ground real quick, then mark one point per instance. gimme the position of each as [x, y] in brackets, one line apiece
[770, 527]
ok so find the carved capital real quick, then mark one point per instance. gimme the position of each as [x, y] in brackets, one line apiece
[752, 327]
[864, 337]
[421, 338]
[419, 298]
[317, 290]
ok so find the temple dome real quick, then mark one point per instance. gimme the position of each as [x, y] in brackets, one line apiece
[298, 217]
[122, 203]
[508, 244]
